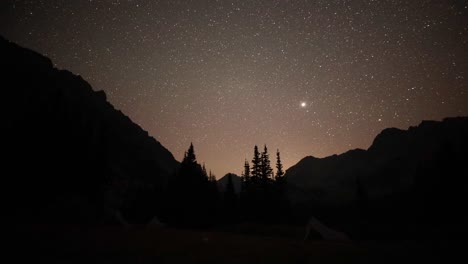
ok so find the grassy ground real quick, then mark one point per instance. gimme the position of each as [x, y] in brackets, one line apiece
[73, 244]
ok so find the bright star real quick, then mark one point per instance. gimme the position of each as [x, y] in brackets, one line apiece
[303, 104]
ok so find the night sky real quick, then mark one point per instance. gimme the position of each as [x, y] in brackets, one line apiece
[307, 77]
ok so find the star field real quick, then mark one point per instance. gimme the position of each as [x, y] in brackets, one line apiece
[307, 77]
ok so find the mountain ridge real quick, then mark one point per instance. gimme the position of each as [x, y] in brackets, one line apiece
[93, 158]
[336, 174]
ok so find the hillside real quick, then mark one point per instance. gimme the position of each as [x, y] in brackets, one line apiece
[236, 180]
[69, 155]
[389, 166]
[409, 183]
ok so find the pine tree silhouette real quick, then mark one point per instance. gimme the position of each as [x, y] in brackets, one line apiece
[265, 168]
[213, 195]
[204, 171]
[192, 193]
[190, 155]
[245, 176]
[279, 167]
[262, 196]
[256, 165]
[211, 177]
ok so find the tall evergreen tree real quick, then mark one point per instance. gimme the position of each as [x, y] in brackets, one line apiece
[256, 165]
[213, 194]
[265, 168]
[246, 173]
[204, 171]
[192, 195]
[211, 177]
[282, 207]
[245, 176]
[279, 167]
[190, 172]
[190, 155]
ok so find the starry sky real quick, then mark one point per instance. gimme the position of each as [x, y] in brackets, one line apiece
[306, 77]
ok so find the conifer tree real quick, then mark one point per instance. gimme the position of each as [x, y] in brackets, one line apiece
[190, 155]
[191, 174]
[265, 167]
[212, 177]
[256, 163]
[245, 176]
[279, 167]
[193, 196]
[246, 169]
[204, 171]
[213, 192]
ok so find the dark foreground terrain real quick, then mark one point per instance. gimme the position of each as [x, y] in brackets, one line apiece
[73, 244]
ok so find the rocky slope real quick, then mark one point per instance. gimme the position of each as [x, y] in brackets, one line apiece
[69, 155]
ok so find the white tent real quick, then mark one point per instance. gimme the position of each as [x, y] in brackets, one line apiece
[155, 222]
[326, 232]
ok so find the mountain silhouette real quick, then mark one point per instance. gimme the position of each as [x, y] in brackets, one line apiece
[387, 167]
[417, 176]
[236, 180]
[69, 155]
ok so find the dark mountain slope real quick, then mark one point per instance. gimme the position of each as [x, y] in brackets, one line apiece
[408, 181]
[68, 154]
[328, 179]
[236, 180]
[388, 166]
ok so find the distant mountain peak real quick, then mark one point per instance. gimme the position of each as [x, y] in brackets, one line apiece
[386, 167]
[236, 180]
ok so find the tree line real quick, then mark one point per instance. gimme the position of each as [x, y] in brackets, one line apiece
[263, 196]
[194, 199]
